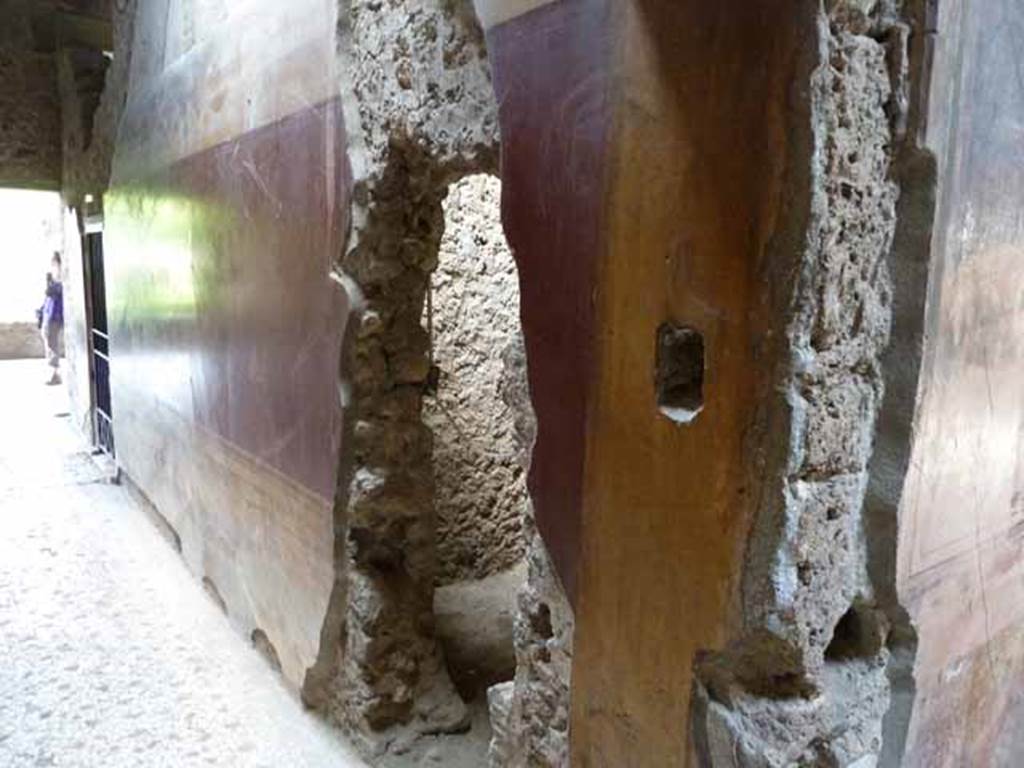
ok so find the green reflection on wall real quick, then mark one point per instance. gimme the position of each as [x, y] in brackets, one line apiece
[161, 247]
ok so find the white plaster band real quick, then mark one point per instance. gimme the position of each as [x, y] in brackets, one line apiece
[494, 12]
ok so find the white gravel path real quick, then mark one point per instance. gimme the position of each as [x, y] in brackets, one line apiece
[111, 654]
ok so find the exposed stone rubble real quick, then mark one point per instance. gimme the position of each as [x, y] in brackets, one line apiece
[499, 707]
[530, 714]
[473, 318]
[420, 113]
[531, 720]
[807, 683]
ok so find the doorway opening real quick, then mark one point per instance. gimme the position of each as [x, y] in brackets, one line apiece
[478, 409]
[33, 231]
[478, 403]
[98, 337]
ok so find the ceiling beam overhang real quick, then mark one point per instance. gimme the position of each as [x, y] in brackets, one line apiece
[78, 31]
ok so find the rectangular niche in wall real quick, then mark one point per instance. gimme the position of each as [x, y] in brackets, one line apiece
[679, 372]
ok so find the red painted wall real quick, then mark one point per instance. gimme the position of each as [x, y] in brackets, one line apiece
[961, 545]
[227, 207]
[221, 304]
[550, 70]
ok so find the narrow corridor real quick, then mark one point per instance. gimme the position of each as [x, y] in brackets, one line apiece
[110, 652]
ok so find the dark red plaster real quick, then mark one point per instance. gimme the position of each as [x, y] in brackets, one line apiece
[222, 305]
[550, 70]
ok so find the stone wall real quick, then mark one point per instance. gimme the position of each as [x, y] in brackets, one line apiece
[808, 682]
[530, 715]
[20, 340]
[419, 113]
[30, 146]
[473, 320]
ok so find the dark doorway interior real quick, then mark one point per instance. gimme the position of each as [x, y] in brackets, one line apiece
[99, 342]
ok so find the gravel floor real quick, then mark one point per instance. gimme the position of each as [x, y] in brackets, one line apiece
[110, 652]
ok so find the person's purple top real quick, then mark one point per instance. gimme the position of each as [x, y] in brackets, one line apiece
[53, 306]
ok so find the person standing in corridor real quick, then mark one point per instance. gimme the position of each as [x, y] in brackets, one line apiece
[52, 318]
